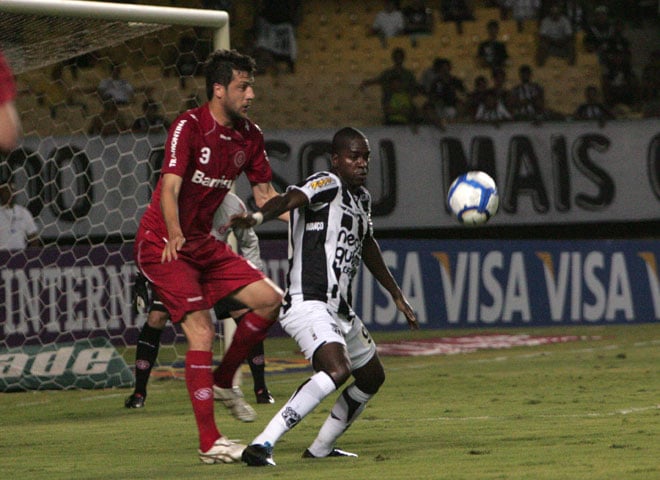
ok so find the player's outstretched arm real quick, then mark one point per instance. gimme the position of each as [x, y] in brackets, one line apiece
[273, 208]
[262, 193]
[373, 260]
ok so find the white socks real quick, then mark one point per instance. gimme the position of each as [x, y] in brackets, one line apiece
[303, 401]
[350, 404]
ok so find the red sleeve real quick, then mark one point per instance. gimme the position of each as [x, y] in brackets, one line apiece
[7, 83]
[258, 170]
[178, 145]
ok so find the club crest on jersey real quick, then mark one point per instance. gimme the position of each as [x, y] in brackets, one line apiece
[239, 158]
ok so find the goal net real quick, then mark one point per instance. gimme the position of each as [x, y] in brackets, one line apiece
[85, 171]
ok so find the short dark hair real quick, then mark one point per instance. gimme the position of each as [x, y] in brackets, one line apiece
[343, 136]
[220, 66]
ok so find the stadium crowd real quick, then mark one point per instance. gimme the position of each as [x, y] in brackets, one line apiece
[500, 86]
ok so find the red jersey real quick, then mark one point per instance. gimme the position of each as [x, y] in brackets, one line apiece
[7, 83]
[209, 157]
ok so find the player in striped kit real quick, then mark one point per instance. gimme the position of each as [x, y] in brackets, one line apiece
[330, 233]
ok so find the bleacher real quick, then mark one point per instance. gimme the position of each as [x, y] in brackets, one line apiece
[334, 56]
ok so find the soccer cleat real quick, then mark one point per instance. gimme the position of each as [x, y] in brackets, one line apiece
[256, 455]
[222, 451]
[135, 401]
[335, 452]
[234, 400]
[264, 396]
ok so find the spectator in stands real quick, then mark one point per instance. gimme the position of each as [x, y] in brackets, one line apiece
[619, 82]
[389, 22]
[492, 110]
[457, 11]
[498, 76]
[526, 98]
[616, 44]
[492, 53]
[575, 11]
[446, 96]
[597, 31]
[555, 37]
[397, 76]
[17, 226]
[116, 88]
[593, 108]
[223, 5]
[110, 121]
[476, 97]
[400, 108]
[430, 75]
[650, 82]
[522, 11]
[10, 123]
[152, 120]
[276, 35]
[187, 63]
[418, 20]
[55, 93]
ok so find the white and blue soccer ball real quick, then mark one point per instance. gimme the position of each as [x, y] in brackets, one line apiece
[473, 198]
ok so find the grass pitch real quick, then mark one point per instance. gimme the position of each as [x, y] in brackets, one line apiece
[581, 410]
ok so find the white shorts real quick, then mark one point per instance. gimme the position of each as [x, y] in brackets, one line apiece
[311, 324]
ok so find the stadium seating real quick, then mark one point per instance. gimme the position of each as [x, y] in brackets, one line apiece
[335, 55]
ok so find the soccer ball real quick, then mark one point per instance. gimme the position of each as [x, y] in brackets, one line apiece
[473, 198]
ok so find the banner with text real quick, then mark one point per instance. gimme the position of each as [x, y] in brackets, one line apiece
[555, 174]
[470, 283]
[84, 364]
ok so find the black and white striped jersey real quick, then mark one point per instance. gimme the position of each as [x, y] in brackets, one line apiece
[325, 242]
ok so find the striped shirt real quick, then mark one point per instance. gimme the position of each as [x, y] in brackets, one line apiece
[325, 242]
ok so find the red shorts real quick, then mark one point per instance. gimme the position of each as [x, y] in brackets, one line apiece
[206, 271]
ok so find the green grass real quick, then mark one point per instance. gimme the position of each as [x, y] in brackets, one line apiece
[580, 410]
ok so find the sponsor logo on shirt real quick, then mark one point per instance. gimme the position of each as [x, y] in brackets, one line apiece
[175, 141]
[199, 178]
[315, 226]
[320, 183]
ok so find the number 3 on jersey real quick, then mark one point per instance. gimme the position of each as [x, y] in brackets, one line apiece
[205, 155]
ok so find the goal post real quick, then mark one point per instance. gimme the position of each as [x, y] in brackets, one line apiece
[86, 193]
[216, 19]
[145, 14]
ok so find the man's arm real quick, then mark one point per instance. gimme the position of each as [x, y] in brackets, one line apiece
[262, 193]
[169, 204]
[273, 208]
[10, 126]
[373, 260]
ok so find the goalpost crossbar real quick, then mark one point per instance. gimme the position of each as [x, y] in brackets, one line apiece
[215, 19]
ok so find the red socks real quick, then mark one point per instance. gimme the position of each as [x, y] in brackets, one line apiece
[251, 330]
[199, 381]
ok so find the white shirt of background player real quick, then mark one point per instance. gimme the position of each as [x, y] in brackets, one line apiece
[246, 239]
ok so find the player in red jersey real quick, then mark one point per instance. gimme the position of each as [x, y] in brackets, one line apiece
[206, 150]
[10, 125]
